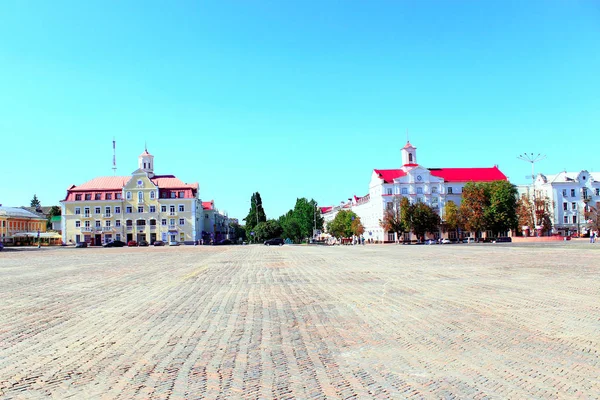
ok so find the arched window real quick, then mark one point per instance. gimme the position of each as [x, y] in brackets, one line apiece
[152, 195]
[410, 159]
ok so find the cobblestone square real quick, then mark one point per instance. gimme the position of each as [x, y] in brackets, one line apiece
[255, 322]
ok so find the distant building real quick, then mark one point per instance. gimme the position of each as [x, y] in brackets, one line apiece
[569, 196]
[216, 224]
[142, 206]
[21, 227]
[432, 186]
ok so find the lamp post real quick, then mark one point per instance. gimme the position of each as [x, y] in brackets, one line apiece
[532, 159]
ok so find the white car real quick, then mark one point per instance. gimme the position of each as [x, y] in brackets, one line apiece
[446, 241]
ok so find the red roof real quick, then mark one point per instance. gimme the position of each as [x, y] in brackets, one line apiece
[388, 175]
[103, 183]
[325, 209]
[408, 145]
[469, 174]
[208, 205]
[450, 174]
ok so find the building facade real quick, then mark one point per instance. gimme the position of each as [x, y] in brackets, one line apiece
[21, 227]
[216, 224]
[432, 186]
[142, 206]
[569, 196]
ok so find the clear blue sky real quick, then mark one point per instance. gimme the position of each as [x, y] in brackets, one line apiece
[291, 98]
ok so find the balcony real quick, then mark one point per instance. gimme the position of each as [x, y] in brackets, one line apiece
[107, 215]
[86, 229]
[152, 227]
[172, 213]
[129, 227]
[172, 227]
[87, 216]
[107, 229]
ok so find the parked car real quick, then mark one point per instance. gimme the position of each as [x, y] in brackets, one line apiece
[446, 241]
[158, 243]
[132, 243]
[173, 243]
[81, 245]
[1, 246]
[504, 239]
[142, 243]
[274, 242]
[114, 243]
[224, 241]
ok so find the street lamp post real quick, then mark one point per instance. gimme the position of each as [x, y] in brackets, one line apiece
[531, 158]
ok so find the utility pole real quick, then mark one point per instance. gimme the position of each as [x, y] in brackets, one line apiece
[531, 158]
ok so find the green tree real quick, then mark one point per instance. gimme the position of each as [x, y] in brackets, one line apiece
[501, 210]
[267, 230]
[54, 212]
[256, 213]
[542, 214]
[35, 202]
[452, 216]
[341, 226]
[392, 219]
[307, 216]
[423, 219]
[239, 231]
[473, 206]
[290, 227]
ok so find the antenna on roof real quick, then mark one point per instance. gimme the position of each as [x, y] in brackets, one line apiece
[114, 167]
[406, 135]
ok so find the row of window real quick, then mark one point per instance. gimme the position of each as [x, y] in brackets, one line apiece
[584, 192]
[167, 194]
[108, 223]
[434, 202]
[566, 219]
[128, 209]
[404, 190]
[33, 226]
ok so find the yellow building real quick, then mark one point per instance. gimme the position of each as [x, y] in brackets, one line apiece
[20, 227]
[142, 206]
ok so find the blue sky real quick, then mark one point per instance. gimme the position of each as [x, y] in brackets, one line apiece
[291, 98]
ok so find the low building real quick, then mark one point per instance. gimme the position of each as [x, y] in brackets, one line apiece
[432, 186]
[569, 196]
[20, 227]
[216, 224]
[141, 206]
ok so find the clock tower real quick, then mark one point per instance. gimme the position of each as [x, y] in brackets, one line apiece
[409, 154]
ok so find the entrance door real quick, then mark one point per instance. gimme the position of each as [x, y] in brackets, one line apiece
[129, 237]
[152, 238]
[98, 240]
[140, 237]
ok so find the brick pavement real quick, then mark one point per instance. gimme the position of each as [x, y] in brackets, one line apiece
[455, 321]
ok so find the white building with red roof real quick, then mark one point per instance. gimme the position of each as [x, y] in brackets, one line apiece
[141, 206]
[432, 186]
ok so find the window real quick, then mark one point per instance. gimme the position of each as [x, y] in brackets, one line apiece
[597, 191]
[77, 197]
[419, 199]
[566, 219]
[152, 209]
[391, 236]
[77, 224]
[140, 222]
[117, 210]
[565, 207]
[181, 221]
[107, 223]
[205, 215]
[389, 205]
[419, 190]
[163, 208]
[434, 200]
[152, 195]
[404, 190]
[88, 196]
[117, 195]
[86, 212]
[129, 222]
[181, 195]
[564, 192]
[574, 219]
[107, 211]
[77, 210]
[181, 208]
[140, 209]
[108, 196]
[389, 191]
[172, 221]
[172, 210]
[572, 192]
[118, 223]
[96, 210]
[584, 193]
[163, 222]
[98, 196]
[573, 206]
[153, 222]
[172, 195]
[128, 210]
[410, 158]
[140, 197]
[434, 189]
[77, 238]
[128, 195]
[449, 190]
[118, 236]
[98, 224]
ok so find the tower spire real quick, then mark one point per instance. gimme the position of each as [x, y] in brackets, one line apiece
[114, 167]
[406, 135]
